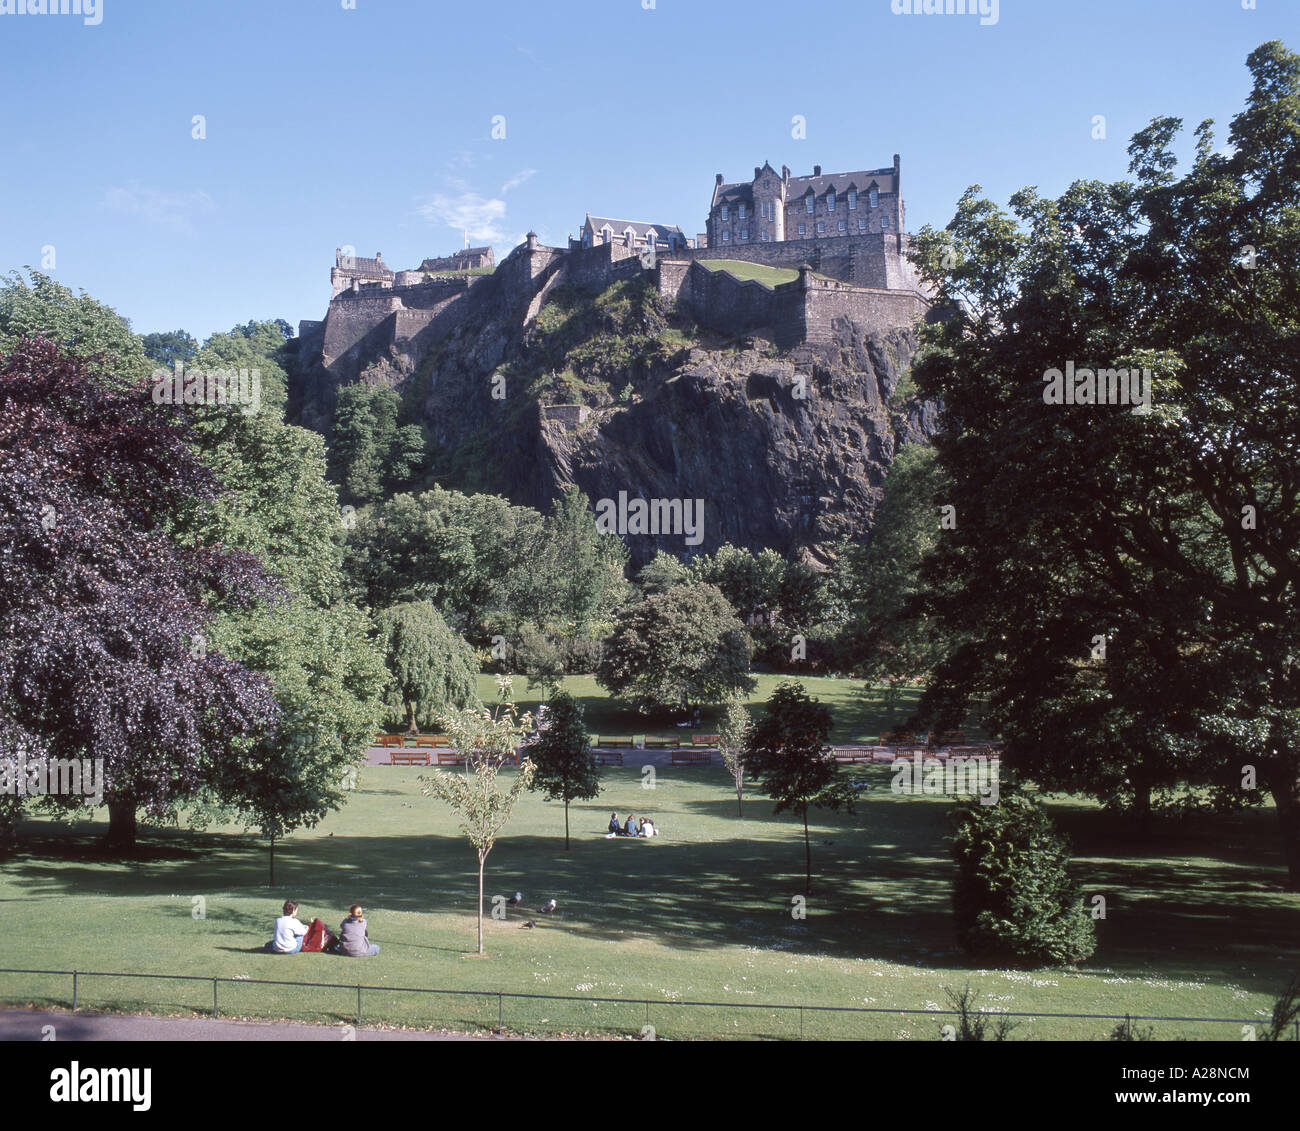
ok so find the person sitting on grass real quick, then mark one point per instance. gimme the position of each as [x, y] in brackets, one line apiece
[630, 828]
[647, 827]
[614, 827]
[353, 939]
[289, 931]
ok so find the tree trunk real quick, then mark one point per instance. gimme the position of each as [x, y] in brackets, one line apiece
[740, 812]
[411, 728]
[1288, 817]
[481, 861]
[566, 826]
[807, 849]
[1142, 809]
[121, 823]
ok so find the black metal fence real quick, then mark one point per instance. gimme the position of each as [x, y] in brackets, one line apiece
[514, 1011]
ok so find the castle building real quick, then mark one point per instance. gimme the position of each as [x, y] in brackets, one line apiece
[775, 207]
[350, 270]
[597, 230]
[467, 259]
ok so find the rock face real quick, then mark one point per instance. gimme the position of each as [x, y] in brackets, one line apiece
[786, 449]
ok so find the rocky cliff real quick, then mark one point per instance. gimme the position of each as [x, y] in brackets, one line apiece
[787, 449]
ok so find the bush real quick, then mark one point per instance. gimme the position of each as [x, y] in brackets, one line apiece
[1012, 899]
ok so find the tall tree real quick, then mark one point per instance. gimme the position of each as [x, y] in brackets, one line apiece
[432, 670]
[788, 757]
[733, 740]
[1129, 580]
[566, 764]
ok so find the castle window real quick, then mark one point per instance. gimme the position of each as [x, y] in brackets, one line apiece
[875, 198]
[862, 223]
[842, 225]
[821, 226]
[607, 233]
[726, 237]
[809, 202]
[830, 201]
[725, 212]
[853, 199]
[803, 229]
[744, 233]
[884, 223]
[740, 209]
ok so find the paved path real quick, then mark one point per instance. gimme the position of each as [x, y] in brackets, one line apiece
[28, 1025]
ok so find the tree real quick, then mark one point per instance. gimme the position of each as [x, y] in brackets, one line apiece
[1125, 582]
[542, 661]
[788, 757]
[166, 348]
[433, 671]
[566, 764]
[1012, 898]
[588, 566]
[733, 739]
[486, 739]
[103, 617]
[683, 646]
[370, 453]
[262, 346]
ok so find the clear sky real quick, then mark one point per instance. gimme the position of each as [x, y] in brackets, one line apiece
[371, 126]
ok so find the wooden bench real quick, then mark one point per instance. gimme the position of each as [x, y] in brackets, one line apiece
[609, 758]
[660, 741]
[853, 753]
[704, 740]
[408, 758]
[389, 739]
[603, 740]
[689, 758]
[450, 758]
[432, 740]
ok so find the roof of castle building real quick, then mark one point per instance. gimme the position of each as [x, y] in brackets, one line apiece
[359, 265]
[640, 228]
[861, 180]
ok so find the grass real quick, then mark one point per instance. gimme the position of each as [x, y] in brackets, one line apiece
[771, 276]
[861, 713]
[1197, 924]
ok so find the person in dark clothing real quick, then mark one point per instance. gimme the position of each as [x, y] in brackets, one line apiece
[353, 939]
[614, 826]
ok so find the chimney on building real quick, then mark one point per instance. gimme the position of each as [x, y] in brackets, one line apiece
[379, 257]
[757, 169]
[718, 180]
[785, 173]
[817, 170]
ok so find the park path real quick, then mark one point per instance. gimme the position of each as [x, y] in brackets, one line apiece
[29, 1025]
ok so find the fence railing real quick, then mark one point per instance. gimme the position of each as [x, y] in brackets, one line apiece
[789, 1013]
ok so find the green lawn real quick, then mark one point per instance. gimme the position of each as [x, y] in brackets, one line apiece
[1196, 925]
[861, 713]
[744, 270]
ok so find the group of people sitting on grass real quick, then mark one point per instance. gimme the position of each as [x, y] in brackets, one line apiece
[645, 827]
[292, 937]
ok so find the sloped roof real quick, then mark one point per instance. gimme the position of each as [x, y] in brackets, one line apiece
[359, 265]
[639, 227]
[861, 180]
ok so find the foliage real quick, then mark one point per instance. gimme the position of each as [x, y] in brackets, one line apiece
[432, 670]
[973, 1024]
[733, 739]
[1012, 897]
[370, 454]
[679, 647]
[566, 764]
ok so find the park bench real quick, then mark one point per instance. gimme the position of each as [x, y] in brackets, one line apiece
[434, 740]
[661, 741]
[704, 740]
[408, 758]
[610, 758]
[853, 753]
[389, 739]
[691, 758]
[450, 758]
[605, 740]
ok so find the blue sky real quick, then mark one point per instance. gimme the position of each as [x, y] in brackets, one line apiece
[371, 126]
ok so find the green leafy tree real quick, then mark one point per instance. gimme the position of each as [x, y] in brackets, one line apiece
[168, 347]
[1013, 899]
[683, 646]
[542, 661]
[487, 739]
[788, 757]
[261, 346]
[1122, 584]
[433, 671]
[733, 739]
[661, 573]
[566, 764]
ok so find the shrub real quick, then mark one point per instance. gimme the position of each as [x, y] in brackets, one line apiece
[1012, 898]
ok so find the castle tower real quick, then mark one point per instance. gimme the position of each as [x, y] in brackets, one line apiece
[769, 205]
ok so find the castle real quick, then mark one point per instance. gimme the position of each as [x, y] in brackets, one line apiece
[841, 235]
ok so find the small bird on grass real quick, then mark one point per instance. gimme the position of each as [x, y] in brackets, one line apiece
[515, 900]
[530, 923]
[548, 907]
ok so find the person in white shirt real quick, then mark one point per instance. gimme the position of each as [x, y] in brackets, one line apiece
[289, 931]
[647, 827]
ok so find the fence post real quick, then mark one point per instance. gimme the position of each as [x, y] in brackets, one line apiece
[74, 991]
[801, 1022]
[214, 998]
[501, 1012]
[358, 1005]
